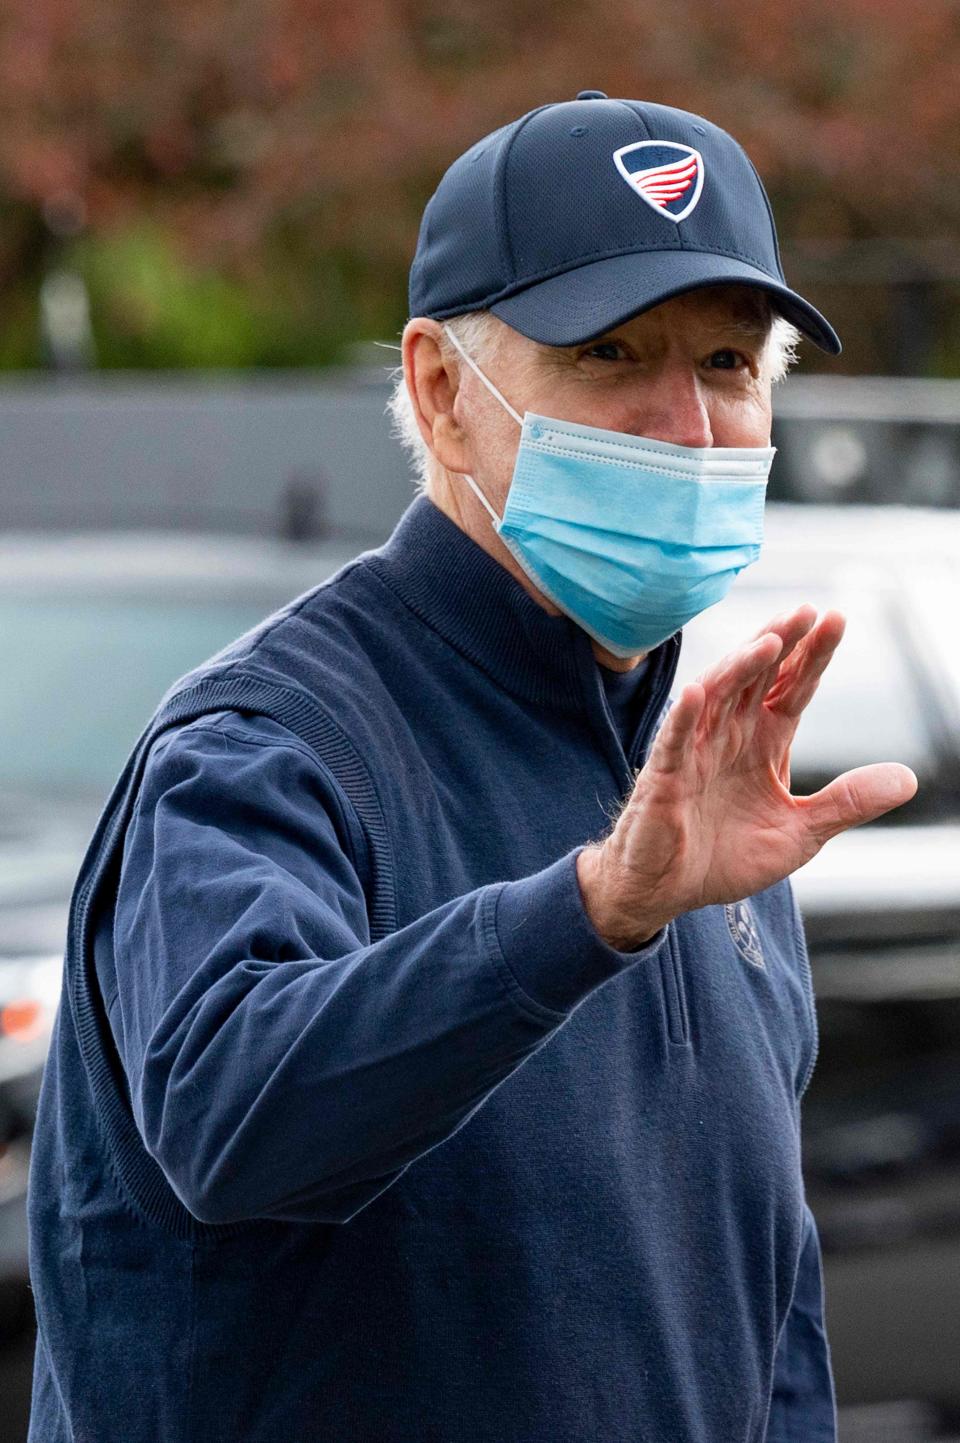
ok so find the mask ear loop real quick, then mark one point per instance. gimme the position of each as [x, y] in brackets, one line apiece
[482, 499]
[506, 406]
[488, 383]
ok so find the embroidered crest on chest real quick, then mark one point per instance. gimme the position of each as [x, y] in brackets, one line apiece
[743, 930]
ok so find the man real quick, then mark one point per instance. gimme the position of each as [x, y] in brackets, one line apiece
[396, 1094]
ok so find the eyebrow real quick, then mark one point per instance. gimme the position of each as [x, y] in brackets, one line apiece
[748, 327]
[745, 327]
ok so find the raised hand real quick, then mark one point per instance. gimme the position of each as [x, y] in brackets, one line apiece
[711, 817]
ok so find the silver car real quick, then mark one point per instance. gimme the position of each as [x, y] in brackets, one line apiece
[93, 629]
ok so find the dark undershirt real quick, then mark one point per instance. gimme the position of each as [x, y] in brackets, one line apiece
[626, 693]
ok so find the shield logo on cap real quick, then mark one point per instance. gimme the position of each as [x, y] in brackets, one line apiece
[668, 176]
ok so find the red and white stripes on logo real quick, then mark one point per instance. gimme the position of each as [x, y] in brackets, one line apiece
[663, 183]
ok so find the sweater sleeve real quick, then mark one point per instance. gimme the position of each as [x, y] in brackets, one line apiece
[803, 1405]
[280, 1065]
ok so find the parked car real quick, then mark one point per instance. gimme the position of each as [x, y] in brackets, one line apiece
[881, 906]
[94, 629]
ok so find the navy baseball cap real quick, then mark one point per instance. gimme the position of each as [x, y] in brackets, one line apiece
[585, 212]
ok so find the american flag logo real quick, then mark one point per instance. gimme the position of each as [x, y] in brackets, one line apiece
[668, 176]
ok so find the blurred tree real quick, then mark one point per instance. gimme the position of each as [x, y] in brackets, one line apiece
[250, 173]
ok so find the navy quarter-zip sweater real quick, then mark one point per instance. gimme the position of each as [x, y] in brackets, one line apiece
[352, 1129]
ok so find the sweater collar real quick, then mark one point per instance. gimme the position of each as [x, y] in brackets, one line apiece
[476, 605]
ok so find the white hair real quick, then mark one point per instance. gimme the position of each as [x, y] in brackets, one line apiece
[480, 334]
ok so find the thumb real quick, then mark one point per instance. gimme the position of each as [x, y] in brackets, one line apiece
[856, 797]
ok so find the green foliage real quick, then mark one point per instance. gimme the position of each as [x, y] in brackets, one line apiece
[151, 307]
[19, 334]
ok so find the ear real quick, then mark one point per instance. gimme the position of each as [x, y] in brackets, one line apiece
[432, 383]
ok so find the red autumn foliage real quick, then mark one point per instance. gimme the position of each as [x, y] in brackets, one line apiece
[233, 122]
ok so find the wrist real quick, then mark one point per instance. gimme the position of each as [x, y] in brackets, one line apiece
[624, 932]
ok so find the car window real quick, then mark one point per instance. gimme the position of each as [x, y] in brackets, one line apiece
[867, 708]
[83, 675]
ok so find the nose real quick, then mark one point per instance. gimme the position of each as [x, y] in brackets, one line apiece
[673, 408]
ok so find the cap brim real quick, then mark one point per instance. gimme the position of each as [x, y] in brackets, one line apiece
[579, 304]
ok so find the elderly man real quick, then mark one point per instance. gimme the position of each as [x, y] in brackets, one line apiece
[436, 1012]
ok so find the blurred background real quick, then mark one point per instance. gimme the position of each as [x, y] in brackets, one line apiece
[207, 213]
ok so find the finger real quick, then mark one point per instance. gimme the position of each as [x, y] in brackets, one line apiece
[724, 681]
[734, 678]
[792, 628]
[672, 741]
[856, 797]
[797, 684]
[786, 621]
[806, 657]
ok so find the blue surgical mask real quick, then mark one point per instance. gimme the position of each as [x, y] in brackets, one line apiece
[630, 537]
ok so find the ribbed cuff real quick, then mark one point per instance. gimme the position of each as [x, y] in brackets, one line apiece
[549, 942]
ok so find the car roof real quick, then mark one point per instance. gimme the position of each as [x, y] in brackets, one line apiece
[871, 533]
[165, 564]
[874, 536]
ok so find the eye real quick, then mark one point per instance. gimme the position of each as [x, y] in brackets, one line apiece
[725, 360]
[606, 351]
